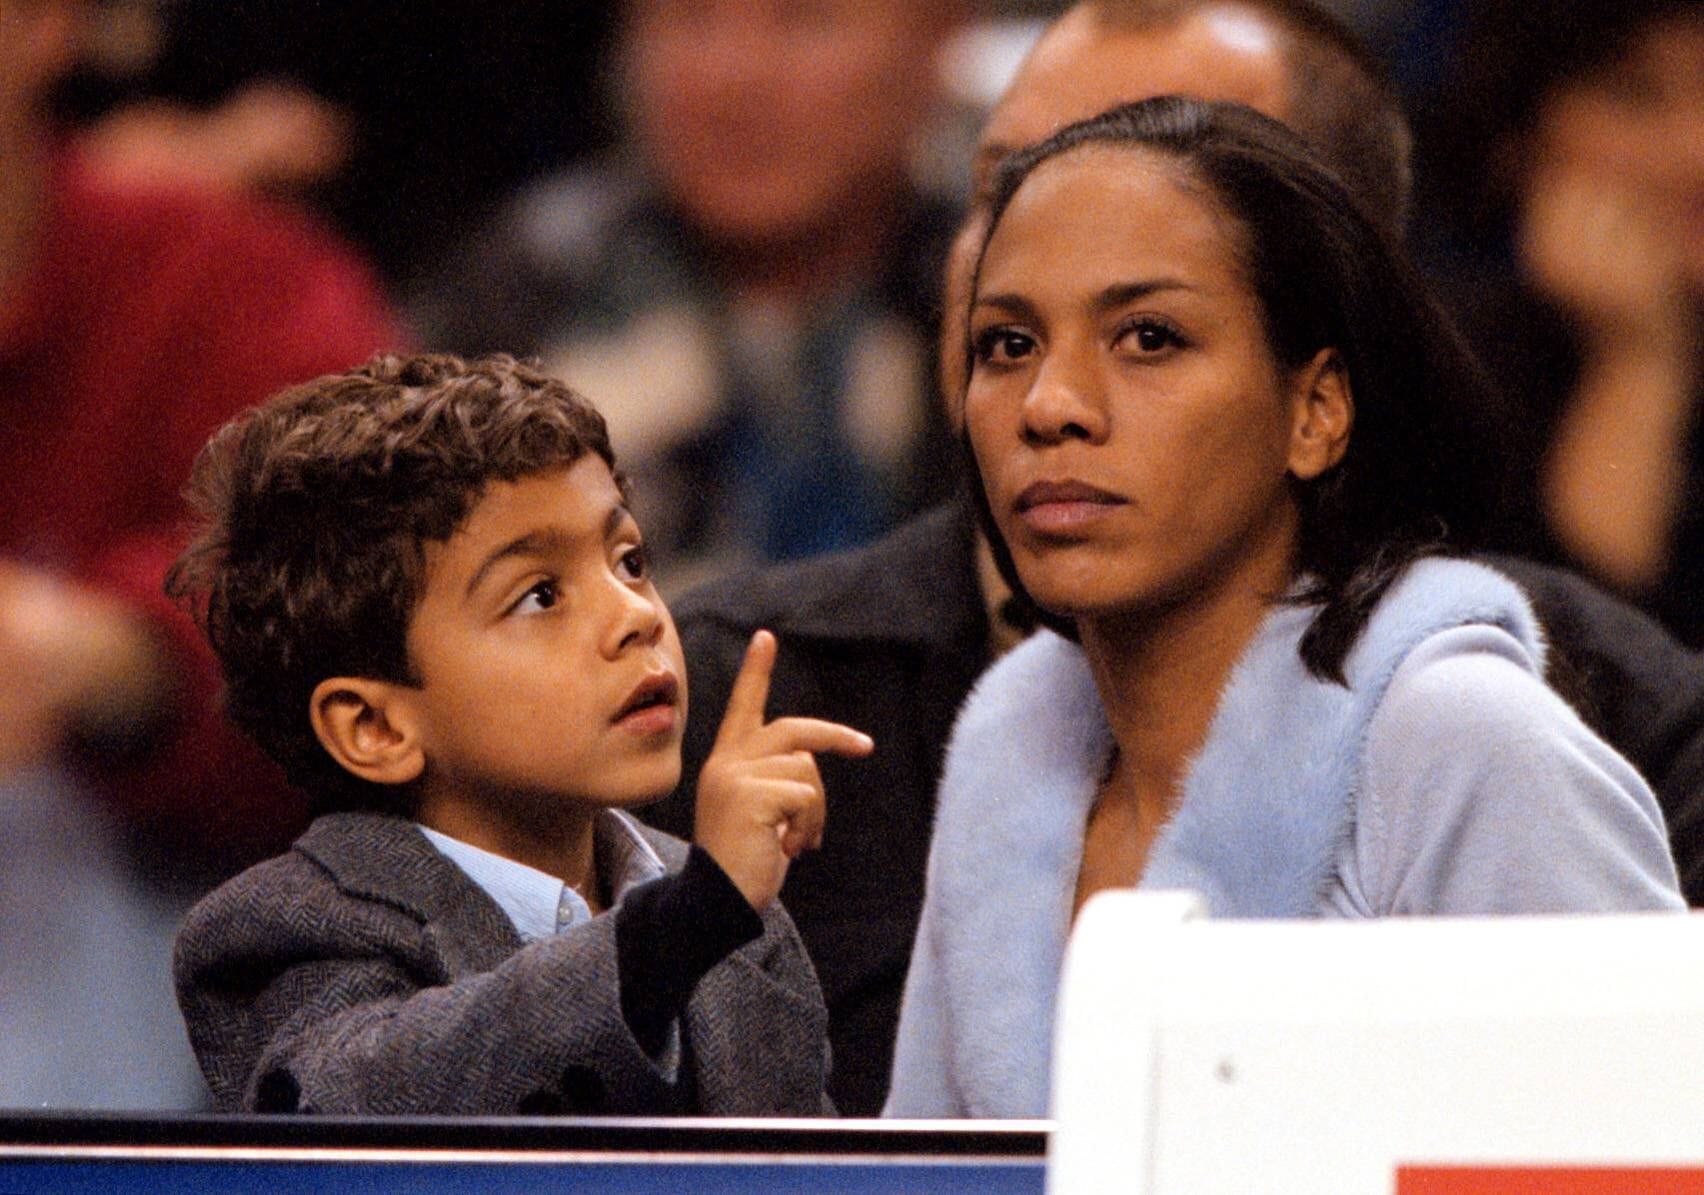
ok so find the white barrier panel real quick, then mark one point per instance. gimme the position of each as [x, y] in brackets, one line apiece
[1194, 1056]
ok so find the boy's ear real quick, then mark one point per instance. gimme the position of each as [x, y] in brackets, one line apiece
[369, 727]
[1324, 414]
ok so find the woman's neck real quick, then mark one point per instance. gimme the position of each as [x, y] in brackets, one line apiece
[1160, 674]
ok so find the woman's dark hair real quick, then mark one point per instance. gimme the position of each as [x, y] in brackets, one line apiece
[1419, 471]
[316, 508]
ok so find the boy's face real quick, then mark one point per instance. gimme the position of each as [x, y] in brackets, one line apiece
[550, 669]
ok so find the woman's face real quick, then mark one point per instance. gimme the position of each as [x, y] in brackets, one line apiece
[1133, 430]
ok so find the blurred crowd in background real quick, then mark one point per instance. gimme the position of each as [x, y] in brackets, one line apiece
[725, 222]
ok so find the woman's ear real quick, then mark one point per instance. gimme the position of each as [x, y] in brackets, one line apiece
[369, 728]
[1324, 413]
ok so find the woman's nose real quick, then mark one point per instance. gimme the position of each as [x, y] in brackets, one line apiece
[1064, 402]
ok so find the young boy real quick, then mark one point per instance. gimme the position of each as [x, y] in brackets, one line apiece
[432, 607]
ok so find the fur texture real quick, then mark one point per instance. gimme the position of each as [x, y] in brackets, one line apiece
[1266, 806]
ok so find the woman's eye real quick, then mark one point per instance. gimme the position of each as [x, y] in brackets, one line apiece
[1002, 345]
[634, 563]
[541, 596]
[1149, 336]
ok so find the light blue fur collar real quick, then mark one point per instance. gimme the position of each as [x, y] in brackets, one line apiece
[1266, 806]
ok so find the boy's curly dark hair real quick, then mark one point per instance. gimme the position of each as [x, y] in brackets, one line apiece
[316, 509]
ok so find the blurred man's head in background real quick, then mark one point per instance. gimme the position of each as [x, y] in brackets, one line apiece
[1585, 105]
[38, 44]
[765, 120]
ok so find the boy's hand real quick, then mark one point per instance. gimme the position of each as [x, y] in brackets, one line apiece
[760, 799]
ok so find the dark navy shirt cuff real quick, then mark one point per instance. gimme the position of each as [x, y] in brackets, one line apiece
[668, 934]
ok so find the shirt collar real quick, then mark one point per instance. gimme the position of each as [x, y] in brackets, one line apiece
[540, 904]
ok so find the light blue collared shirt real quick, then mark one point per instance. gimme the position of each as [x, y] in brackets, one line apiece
[539, 904]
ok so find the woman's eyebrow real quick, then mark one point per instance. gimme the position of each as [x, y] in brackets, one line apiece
[982, 169]
[1120, 293]
[1009, 302]
[1106, 299]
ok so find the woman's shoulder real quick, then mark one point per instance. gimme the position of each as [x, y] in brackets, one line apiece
[1483, 792]
[1474, 678]
[1437, 595]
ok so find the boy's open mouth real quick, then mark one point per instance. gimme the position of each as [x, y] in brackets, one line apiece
[659, 689]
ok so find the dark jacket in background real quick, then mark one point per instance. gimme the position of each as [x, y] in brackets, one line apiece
[888, 639]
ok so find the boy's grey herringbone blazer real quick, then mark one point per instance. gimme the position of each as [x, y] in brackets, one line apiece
[363, 972]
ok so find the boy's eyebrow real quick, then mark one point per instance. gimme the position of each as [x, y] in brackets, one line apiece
[618, 514]
[538, 542]
[542, 541]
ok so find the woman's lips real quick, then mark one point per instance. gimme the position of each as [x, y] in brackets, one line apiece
[1063, 508]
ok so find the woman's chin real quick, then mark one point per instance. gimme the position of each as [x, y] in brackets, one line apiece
[1086, 586]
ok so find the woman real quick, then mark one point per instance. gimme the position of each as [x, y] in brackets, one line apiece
[1221, 436]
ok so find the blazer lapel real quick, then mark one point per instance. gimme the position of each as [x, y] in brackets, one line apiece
[382, 857]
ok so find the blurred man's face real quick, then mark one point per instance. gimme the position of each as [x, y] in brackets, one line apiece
[38, 43]
[1081, 68]
[1628, 141]
[764, 120]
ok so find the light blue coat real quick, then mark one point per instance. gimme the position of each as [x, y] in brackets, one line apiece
[1447, 778]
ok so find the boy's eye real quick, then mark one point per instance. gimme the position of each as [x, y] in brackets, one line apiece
[541, 596]
[1002, 345]
[634, 563]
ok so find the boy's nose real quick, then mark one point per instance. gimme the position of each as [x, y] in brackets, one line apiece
[638, 620]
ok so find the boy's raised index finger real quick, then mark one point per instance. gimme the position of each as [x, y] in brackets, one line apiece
[818, 735]
[751, 687]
